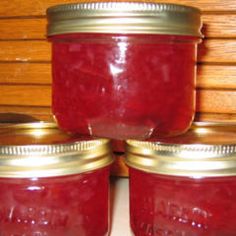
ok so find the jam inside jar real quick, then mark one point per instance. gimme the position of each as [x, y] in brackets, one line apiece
[123, 86]
[179, 206]
[56, 206]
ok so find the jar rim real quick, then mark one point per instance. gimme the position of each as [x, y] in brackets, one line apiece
[46, 151]
[124, 17]
[190, 154]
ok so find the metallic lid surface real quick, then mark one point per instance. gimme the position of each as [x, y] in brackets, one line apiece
[124, 17]
[41, 150]
[206, 150]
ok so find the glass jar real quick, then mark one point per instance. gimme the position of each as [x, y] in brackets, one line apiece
[184, 186]
[124, 70]
[52, 184]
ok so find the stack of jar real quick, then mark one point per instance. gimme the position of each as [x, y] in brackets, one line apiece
[121, 71]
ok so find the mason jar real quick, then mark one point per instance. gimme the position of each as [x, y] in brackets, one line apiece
[53, 184]
[184, 186]
[124, 70]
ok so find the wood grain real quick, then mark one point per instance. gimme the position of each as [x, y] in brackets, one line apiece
[216, 101]
[216, 76]
[217, 51]
[214, 26]
[30, 28]
[221, 117]
[25, 73]
[25, 95]
[212, 50]
[219, 26]
[38, 7]
[25, 51]
[208, 76]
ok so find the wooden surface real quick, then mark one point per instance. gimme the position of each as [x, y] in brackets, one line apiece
[216, 77]
[25, 69]
[26, 73]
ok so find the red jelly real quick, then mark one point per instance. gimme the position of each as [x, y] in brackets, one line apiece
[56, 189]
[134, 79]
[184, 189]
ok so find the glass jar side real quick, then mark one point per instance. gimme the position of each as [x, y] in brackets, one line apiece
[62, 206]
[170, 205]
[124, 86]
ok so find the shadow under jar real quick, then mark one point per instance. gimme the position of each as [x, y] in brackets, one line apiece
[184, 186]
[52, 184]
[124, 70]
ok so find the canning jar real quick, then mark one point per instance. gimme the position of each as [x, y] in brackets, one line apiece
[185, 186]
[124, 70]
[52, 184]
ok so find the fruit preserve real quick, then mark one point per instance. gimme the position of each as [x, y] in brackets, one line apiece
[52, 186]
[184, 186]
[124, 70]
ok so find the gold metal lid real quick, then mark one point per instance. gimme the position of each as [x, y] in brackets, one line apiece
[207, 149]
[41, 150]
[124, 17]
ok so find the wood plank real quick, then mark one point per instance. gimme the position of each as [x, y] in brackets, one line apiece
[23, 28]
[27, 7]
[221, 117]
[216, 101]
[216, 76]
[219, 26]
[212, 50]
[25, 51]
[213, 101]
[217, 51]
[35, 8]
[25, 95]
[215, 26]
[209, 76]
[25, 73]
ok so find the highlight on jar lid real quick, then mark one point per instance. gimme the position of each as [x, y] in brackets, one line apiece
[207, 149]
[124, 17]
[41, 150]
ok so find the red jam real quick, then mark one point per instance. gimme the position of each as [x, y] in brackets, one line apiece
[75, 205]
[163, 205]
[123, 86]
